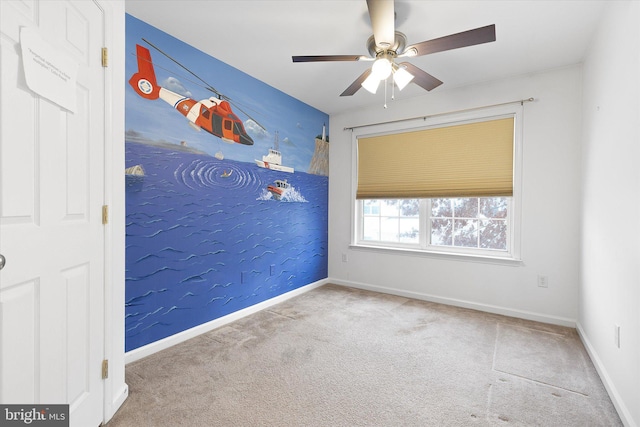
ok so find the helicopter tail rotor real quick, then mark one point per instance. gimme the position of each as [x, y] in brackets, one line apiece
[144, 81]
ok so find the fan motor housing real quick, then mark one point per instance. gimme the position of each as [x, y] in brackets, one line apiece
[393, 51]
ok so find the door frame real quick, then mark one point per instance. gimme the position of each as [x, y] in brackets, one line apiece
[115, 388]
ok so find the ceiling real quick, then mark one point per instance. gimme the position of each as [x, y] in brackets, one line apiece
[260, 36]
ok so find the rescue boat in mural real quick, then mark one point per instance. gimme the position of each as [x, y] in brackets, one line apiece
[278, 188]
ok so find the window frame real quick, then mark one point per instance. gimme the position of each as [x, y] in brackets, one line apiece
[424, 247]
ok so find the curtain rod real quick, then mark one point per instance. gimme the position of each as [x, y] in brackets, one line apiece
[521, 102]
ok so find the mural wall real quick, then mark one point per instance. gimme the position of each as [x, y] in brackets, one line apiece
[226, 188]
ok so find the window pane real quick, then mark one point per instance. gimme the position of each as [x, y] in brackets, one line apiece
[409, 207]
[493, 234]
[441, 232]
[389, 208]
[409, 230]
[466, 225]
[389, 229]
[441, 208]
[465, 207]
[371, 207]
[493, 207]
[371, 228]
[465, 233]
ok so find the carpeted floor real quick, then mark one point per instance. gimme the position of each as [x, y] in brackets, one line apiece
[337, 356]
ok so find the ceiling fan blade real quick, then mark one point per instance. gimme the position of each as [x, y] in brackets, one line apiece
[421, 78]
[357, 84]
[321, 58]
[382, 17]
[454, 41]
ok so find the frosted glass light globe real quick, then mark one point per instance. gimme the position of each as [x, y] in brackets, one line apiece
[402, 77]
[381, 69]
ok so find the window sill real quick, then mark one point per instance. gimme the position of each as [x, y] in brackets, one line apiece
[451, 256]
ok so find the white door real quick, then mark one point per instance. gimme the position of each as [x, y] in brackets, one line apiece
[51, 232]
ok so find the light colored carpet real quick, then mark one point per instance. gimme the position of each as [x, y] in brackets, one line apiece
[337, 356]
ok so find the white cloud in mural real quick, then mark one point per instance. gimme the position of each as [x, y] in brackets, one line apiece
[174, 85]
[255, 130]
[287, 141]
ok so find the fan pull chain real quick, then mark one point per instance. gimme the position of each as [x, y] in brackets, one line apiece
[385, 92]
[393, 90]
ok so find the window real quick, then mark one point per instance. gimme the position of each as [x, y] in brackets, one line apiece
[483, 222]
[472, 225]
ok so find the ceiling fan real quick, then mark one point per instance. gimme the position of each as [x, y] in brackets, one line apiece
[386, 44]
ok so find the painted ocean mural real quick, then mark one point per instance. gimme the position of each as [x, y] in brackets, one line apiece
[201, 245]
[204, 236]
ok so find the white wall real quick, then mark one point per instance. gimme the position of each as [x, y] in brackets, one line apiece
[550, 206]
[610, 292]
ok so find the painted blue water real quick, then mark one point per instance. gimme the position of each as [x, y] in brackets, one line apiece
[200, 245]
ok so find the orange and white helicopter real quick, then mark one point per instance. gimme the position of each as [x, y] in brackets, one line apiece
[213, 115]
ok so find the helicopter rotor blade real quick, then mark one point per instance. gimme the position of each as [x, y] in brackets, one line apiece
[207, 85]
[182, 76]
[243, 112]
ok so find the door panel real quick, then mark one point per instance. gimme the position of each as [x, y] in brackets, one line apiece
[51, 232]
[18, 305]
[79, 342]
[17, 201]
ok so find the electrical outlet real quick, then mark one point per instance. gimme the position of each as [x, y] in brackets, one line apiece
[616, 334]
[344, 258]
[543, 281]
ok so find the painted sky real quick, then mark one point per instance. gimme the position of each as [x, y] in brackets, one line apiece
[296, 122]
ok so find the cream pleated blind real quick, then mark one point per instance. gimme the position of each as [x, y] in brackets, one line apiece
[468, 160]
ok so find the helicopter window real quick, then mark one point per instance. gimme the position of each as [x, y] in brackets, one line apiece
[227, 124]
[206, 113]
[237, 129]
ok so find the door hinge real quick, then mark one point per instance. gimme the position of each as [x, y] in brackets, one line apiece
[105, 57]
[105, 369]
[105, 214]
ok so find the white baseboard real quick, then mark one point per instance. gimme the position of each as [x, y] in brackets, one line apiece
[521, 314]
[154, 347]
[622, 409]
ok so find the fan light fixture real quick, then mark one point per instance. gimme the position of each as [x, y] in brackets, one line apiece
[401, 77]
[371, 83]
[386, 44]
[381, 69]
